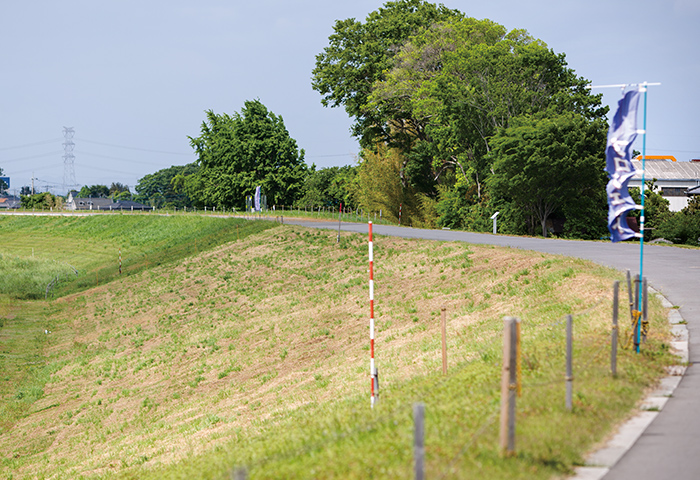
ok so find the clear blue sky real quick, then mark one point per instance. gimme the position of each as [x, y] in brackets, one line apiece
[133, 78]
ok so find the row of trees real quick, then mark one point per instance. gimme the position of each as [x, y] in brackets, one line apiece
[457, 118]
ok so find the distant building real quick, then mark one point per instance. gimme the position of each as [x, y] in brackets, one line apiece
[675, 181]
[74, 203]
[10, 202]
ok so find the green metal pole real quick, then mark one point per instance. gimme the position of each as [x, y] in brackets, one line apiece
[638, 329]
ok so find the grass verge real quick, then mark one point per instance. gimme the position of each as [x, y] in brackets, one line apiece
[255, 353]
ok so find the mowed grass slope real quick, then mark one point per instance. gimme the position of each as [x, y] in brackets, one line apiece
[255, 353]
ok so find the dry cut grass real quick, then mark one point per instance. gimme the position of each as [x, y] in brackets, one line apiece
[177, 360]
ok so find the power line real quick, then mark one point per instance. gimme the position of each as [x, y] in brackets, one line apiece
[134, 148]
[32, 156]
[109, 157]
[44, 142]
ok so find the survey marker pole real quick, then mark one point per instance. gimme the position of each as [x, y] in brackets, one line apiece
[372, 370]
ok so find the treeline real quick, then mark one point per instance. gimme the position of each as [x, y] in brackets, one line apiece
[457, 119]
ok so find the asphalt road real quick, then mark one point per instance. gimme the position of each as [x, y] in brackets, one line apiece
[670, 447]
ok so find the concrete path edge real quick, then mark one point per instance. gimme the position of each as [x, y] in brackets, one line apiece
[600, 461]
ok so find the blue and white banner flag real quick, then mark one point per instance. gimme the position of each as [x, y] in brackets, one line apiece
[257, 199]
[622, 133]
[618, 153]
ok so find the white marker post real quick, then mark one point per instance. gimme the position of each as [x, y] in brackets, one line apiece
[493, 217]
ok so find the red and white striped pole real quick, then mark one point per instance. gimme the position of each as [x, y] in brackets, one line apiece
[400, 208]
[371, 315]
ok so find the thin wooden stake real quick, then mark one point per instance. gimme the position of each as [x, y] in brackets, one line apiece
[637, 319]
[444, 340]
[629, 294]
[419, 440]
[613, 340]
[645, 300]
[569, 362]
[509, 385]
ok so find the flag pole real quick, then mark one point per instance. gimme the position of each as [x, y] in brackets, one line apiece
[642, 88]
[638, 329]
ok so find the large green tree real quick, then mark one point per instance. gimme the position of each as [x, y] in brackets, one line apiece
[360, 54]
[454, 84]
[239, 152]
[547, 165]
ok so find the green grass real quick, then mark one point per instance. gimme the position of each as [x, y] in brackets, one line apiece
[91, 246]
[255, 353]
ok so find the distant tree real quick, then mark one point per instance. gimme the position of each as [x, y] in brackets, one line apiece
[239, 152]
[93, 191]
[41, 201]
[25, 190]
[117, 188]
[125, 195]
[377, 188]
[548, 165]
[656, 209]
[683, 226]
[157, 189]
[327, 187]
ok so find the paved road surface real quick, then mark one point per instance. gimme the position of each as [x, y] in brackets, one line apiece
[670, 446]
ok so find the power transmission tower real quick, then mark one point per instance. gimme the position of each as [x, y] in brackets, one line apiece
[68, 159]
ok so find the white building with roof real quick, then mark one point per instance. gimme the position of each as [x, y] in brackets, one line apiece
[676, 181]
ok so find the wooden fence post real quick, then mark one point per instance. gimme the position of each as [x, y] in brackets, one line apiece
[444, 340]
[509, 385]
[569, 362]
[629, 294]
[238, 474]
[418, 440]
[613, 340]
[645, 300]
[637, 319]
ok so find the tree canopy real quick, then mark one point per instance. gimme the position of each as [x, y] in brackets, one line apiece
[359, 54]
[157, 189]
[550, 165]
[94, 191]
[436, 87]
[239, 152]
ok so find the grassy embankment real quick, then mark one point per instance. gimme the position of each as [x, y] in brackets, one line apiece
[255, 352]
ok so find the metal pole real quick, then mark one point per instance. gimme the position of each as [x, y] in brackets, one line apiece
[613, 349]
[569, 362]
[419, 440]
[643, 88]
